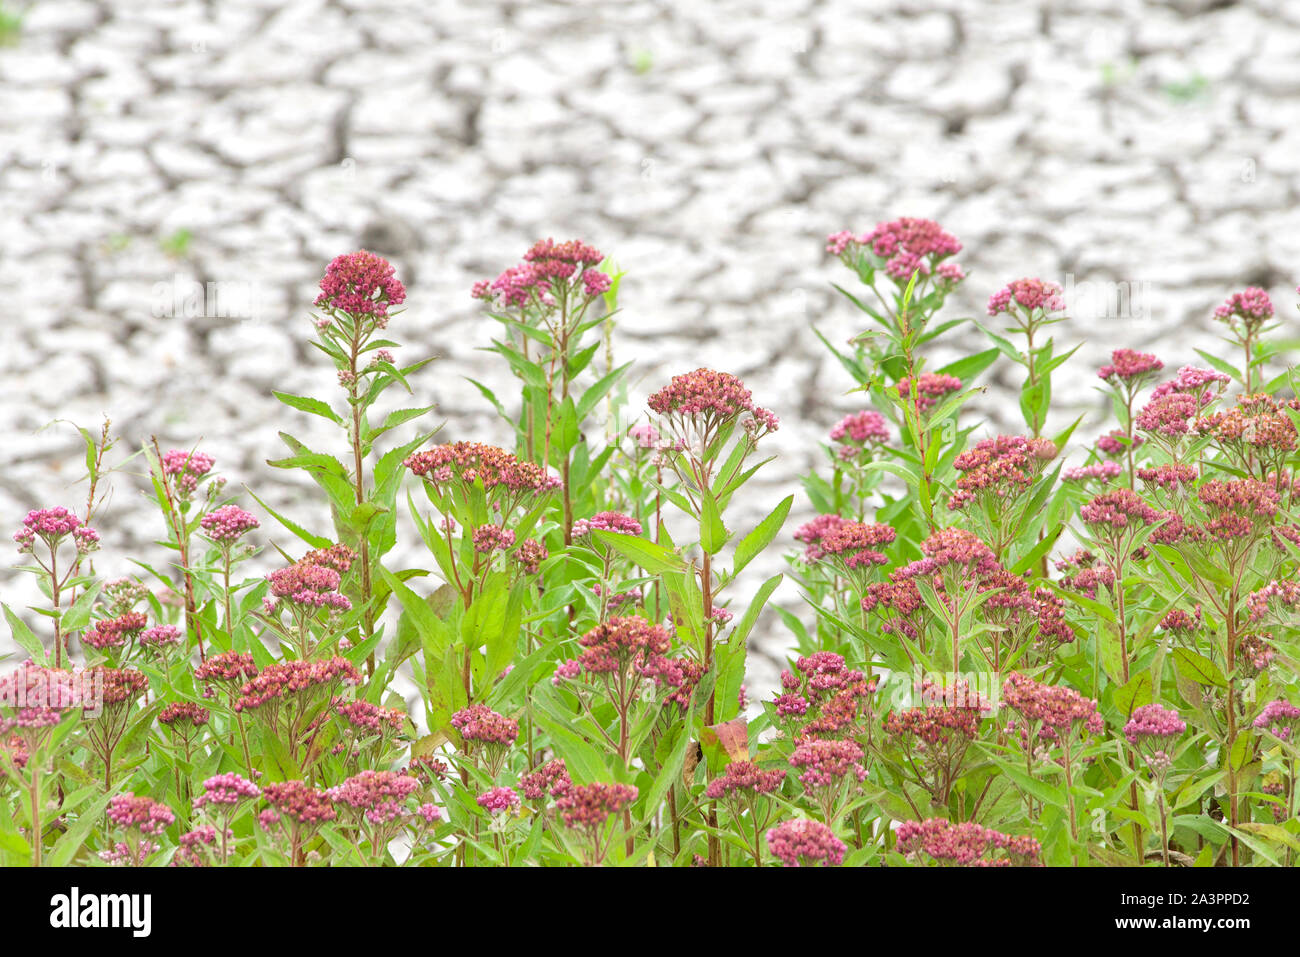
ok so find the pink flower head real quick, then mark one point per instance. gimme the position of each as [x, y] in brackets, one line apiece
[480, 724]
[857, 544]
[1129, 366]
[1279, 718]
[573, 252]
[861, 428]
[377, 796]
[499, 801]
[1115, 442]
[309, 585]
[227, 524]
[595, 282]
[371, 719]
[588, 806]
[1103, 471]
[115, 632]
[951, 549]
[910, 245]
[1029, 294]
[142, 814]
[161, 636]
[607, 522]
[285, 679]
[999, 468]
[183, 715]
[186, 468]
[1251, 307]
[965, 844]
[646, 435]
[227, 789]
[530, 554]
[745, 778]
[468, 463]
[361, 284]
[803, 843]
[52, 525]
[1153, 725]
[704, 393]
[1058, 710]
[492, 538]
[304, 805]
[930, 388]
[812, 533]
[551, 778]
[826, 762]
[229, 666]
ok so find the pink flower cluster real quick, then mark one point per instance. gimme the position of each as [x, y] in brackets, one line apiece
[377, 795]
[822, 694]
[951, 550]
[530, 554]
[965, 844]
[930, 388]
[909, 245]
[551, 778]
[861, 428]
[812, 533]
[1130, 366]
[227, 524]
[499, 800]
[229, 666]
[803, 843]
[1103, 471]
[492, 538]
[361, 284]
[857, 544]
[143, 814]
[309, 585]
[607, 522]
[283, 679]
[371, 718]
[52, 525]
[227, 789]
[480, 724]
[1279, 718]
[115, 632]
[1029, 294]
[471, 462]
[712, 396]
[630, 642]
[744, 777]
[300, 802]
[1116, 442]
[999, 468]
[1251, 306]
[588, 806]
[1056, 708]
[186, 468]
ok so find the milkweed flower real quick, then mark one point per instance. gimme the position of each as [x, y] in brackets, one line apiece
[1248, 309]
[227, 524]
[1028, 294]
[1279, 718]
[1152, 730]
[930, 388]
[361, 285]
[1129, 367]
[500, 800]
[802, 843]
[185, 469]
[965, 844]
[141, 814]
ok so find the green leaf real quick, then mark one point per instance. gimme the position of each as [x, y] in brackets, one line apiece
[969, 367]
[315, 541]
[1198, 668]
[305, 404]
[655, 559]
[713, 534]
[749, 547]
[1135, 694]
[25, 637]
[77, 617]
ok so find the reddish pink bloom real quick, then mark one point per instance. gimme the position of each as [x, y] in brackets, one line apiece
[499, 801]
[1129, 366]
[1251, 307]
[965, 844]
[142, 814]
[930, 388]
[1029, 294]
[361, 284]
[861, 428]
[805, 844]
[226, 524]
[479, 724]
